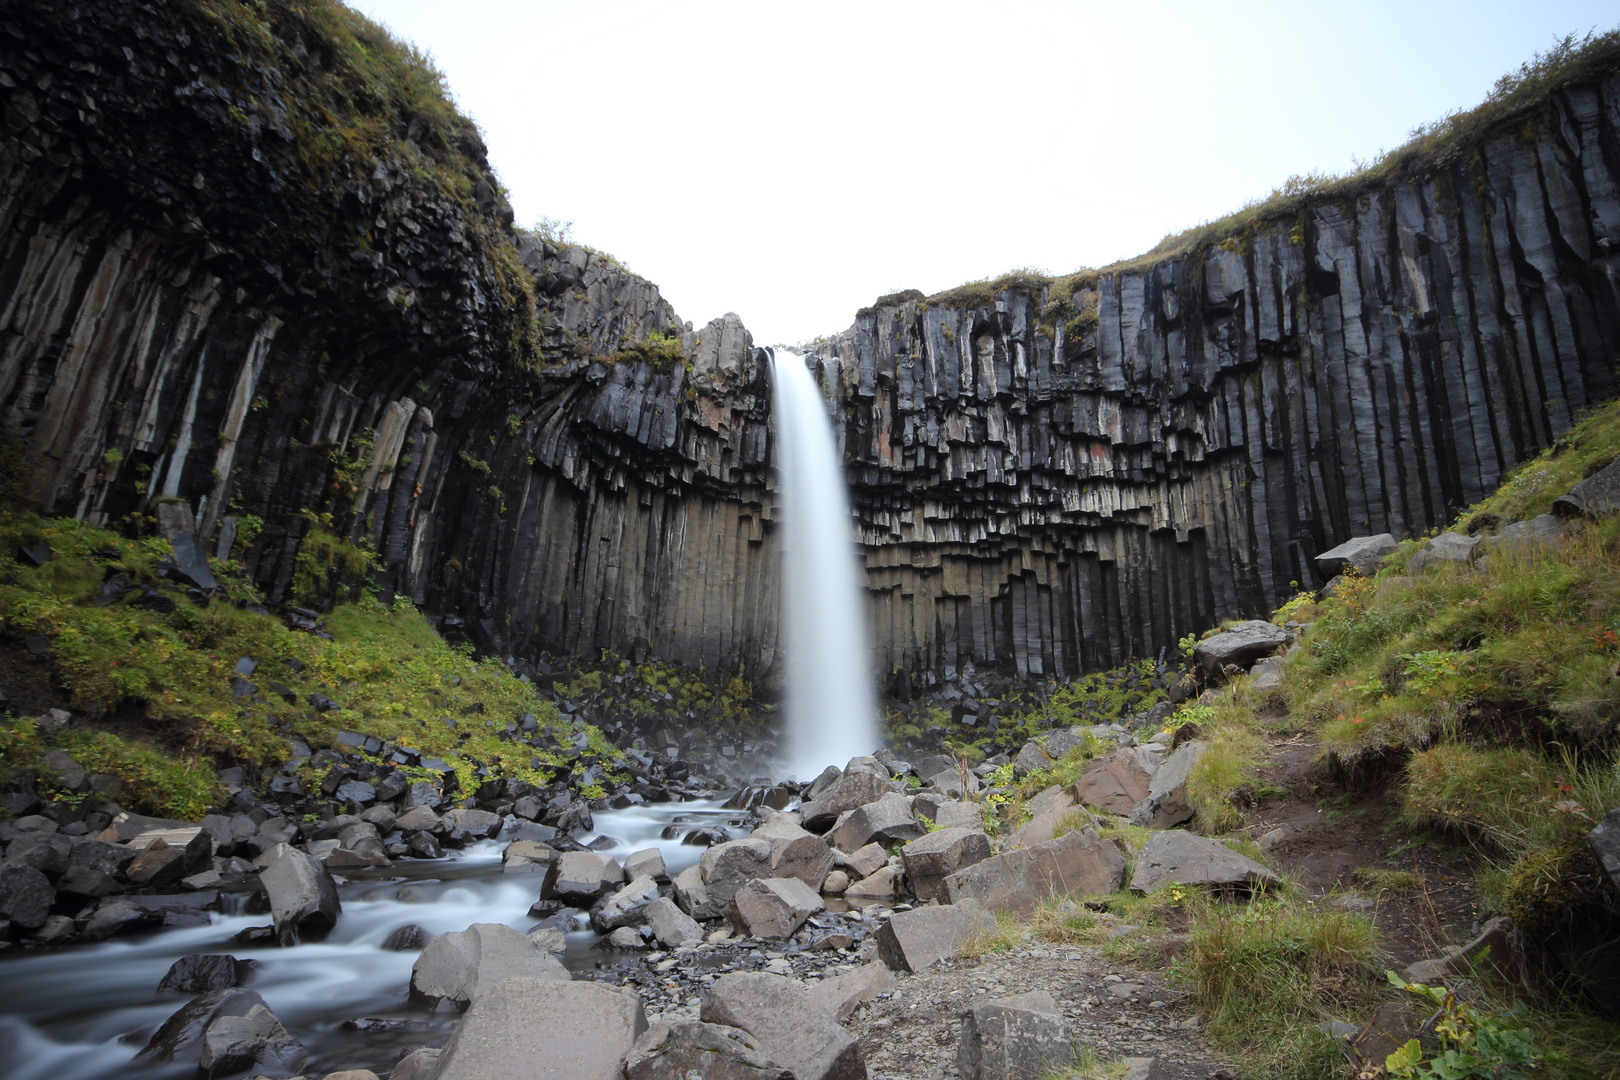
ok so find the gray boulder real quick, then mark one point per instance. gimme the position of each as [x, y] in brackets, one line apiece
[849, 791]
[1447, 548]
[1544, 532]
[420, 1064]
[461, 967]
[26, 895]
[672, 926]
[1267, 674]
[797, 1036]
[648, 862]
[692, 1050]
[773, 908]
[693, 896]
[1119, 781]
[579, 877]
[1178, 857]
[256, 1040]
[1018, 881]
[1030, 758]
[627, 907]
[527, 1029]
[888, 820]
[930, 859]
[866, 860]
[842, 994]
[1364, 553]
[1168, 803]
[729, 866]
[918, 939]
[1017, 1038]
[182, 1032]
[1241, 644]
[303, 896]
[806, 857]
[1605, 841]
[1597, 495]
[881, 886]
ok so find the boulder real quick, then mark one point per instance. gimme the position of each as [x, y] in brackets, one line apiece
[1030, 758]
[256, 1040]
[1543, 532]
[1017, 1038]
[918, 939]
[407, 938]
[693, 1050]
[773, 908]
[303, 897]
[954, 814]
[729, 866]
[648, 862]
[1596, 496]
[881, 886]
[549, 938]
[929, 859]
[26, 895]
[693, 896]
[845, 794]
[1018, 881]
[1241, 644]
[842, 994]
[1168, 803]
[477, 823]
[626, 937]
[1364, 553]
[1448, 548]
[1493, 948]
[420, 1064]
[1050, 800]
[806, 857]
[1116, 783]
[418, 819]
[527, 857]
[627, 907]
[1035, 831]
[798, 1037]
[579, 877]
[835, 883]
[1605, 841]
[181, 1033]
[885, 821]
[670, 925]
[529, 1029]
[198, 973]
[866, 860]
[461, 967]
[1267, 674]
[1178, 857]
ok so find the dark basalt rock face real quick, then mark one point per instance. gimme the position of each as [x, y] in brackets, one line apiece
[277, 291]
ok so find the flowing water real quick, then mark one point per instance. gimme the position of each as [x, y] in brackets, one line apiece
[830, 715]
[82, 1012]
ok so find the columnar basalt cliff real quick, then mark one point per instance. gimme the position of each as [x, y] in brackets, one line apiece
[249, 265]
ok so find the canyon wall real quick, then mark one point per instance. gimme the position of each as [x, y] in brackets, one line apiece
[245, 269]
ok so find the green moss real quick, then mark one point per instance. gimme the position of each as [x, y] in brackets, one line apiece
[660, 351]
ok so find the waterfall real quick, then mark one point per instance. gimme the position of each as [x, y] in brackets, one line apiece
[829, 679]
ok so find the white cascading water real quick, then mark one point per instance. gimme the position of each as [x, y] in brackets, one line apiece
[829, 692]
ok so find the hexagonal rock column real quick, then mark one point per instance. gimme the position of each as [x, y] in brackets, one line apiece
[929, 859]
[796, 1035]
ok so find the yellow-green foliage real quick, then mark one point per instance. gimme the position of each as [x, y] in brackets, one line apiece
[327, 567]
[660, 351]
[1266, 974]
[387, 669]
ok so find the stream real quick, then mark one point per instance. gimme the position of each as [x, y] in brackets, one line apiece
[82, 1012]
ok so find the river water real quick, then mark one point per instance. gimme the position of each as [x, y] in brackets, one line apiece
[82, 1012]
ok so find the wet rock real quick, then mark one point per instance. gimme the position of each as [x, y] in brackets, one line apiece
[805, 1040]
[478, 823]
[303, 896]
[670, 925]
[918, 939]
[727, 867]
[257, 1040]
[1363, 553]
[1019, 881]
[579, 878]
[407, 938]
[461, 967]
[886, 821]
[773, 908]
[526, 1029]
[1116, 783]
[1177, 857]
[1168, 803]
[181, 1034]
[1017, 1038]
[423, 845]
[199, 973]
[116, 917]
[1242, 645]
[626, 907]
[56, 928]
[648, 862]
[842, 994]
[929, 859]
[692, 1049]
[849, 791]
[26, 895]
[158, 866]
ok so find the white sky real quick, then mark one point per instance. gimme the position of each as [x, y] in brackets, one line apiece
[792, 162]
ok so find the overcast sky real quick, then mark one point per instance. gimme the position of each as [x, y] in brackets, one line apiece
[792, 162]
